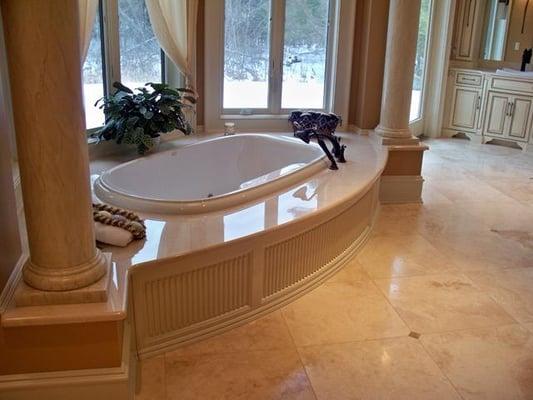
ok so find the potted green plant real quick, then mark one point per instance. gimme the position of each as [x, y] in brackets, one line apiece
[138, 117]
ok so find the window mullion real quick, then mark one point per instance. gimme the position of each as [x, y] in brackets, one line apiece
[112, 41]
[276, 54]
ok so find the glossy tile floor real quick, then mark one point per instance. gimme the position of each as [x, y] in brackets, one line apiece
[438, 304]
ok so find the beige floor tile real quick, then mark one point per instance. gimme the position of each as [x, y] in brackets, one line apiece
[486, 364]
[529, 326]
[473, 246]
[431, 195]
[258, 375]
[387, 256]
[351, 272]
[505, 216]
[439, 303]
[399, 219]
[385, 369]
[467, 189]
[267, 333]
[341, 312]
[511, 288]
[518, 188]
[151, 382]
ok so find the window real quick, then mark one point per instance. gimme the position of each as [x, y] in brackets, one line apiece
[125, 49]
[275, 55]
[421, 61]
[304, 54]
[94, 76]
[246, 53]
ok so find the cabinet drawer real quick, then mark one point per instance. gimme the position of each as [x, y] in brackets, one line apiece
[464, 78]
[512, 85]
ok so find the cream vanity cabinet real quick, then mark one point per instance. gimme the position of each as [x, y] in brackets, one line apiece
[509, 109]
[486, 106]
[466, 100]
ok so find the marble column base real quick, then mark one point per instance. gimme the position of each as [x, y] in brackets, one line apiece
[398, 133]
[26, 295]
[69, 278]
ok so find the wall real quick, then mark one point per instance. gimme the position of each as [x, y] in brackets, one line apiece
[368, 62]
[514, 33]
[10, 248]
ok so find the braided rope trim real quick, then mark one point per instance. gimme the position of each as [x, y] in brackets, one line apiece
[130, 221]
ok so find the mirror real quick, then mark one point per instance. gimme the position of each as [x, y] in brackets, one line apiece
[498, 14]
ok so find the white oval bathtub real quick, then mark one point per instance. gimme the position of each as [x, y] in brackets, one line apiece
[210, 175]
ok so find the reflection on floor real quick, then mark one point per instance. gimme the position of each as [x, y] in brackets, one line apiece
[438, 305]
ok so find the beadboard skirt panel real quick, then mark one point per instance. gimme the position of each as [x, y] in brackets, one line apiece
[194, 296]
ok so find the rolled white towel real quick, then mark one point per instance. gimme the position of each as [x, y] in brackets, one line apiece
[112, 235]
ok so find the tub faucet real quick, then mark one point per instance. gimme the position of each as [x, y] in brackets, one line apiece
[338, 150]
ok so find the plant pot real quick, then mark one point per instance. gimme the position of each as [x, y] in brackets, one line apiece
[155, 147]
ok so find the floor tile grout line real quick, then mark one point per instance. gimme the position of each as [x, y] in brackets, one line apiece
[299, 354]
[441, 370]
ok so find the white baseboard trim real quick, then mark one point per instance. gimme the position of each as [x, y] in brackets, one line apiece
[401, 189]
[104, 383]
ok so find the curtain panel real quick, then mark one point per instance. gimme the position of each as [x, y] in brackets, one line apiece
[88, 9]
[174, 25]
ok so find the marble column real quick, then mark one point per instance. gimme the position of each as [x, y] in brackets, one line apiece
[42, 41]
[402, 35]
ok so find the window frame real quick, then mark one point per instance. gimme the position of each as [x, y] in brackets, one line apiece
[108, 19]
[422, 103]
[274, 107]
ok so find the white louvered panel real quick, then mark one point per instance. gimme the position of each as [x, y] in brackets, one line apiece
[291, 261]
[178, 301]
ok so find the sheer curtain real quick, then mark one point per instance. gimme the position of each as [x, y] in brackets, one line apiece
[174, 25]
[88, 9]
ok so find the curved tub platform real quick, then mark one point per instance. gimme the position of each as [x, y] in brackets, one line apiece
[198, 275]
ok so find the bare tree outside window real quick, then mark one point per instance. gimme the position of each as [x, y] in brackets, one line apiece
[304, 56]
[140, 54]
[246, 53]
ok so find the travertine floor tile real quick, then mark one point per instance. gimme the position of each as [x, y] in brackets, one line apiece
[511, 288]
[151, 382]
[340, 312]
[351, 272]
[267, 333]
[258, 375]
[385, 369]
[486, 364]
[387, 256]
[467, 189]
[439, 303]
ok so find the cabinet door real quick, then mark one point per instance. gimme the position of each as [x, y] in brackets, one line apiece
[498, 105]
[466, 29]
[465, 108]
[520, 114]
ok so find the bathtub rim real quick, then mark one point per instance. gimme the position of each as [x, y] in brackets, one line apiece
[105, 192]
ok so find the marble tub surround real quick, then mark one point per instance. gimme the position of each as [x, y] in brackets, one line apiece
[439, 320]
[173, 235]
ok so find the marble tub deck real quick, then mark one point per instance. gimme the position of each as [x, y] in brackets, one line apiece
[438, 305]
